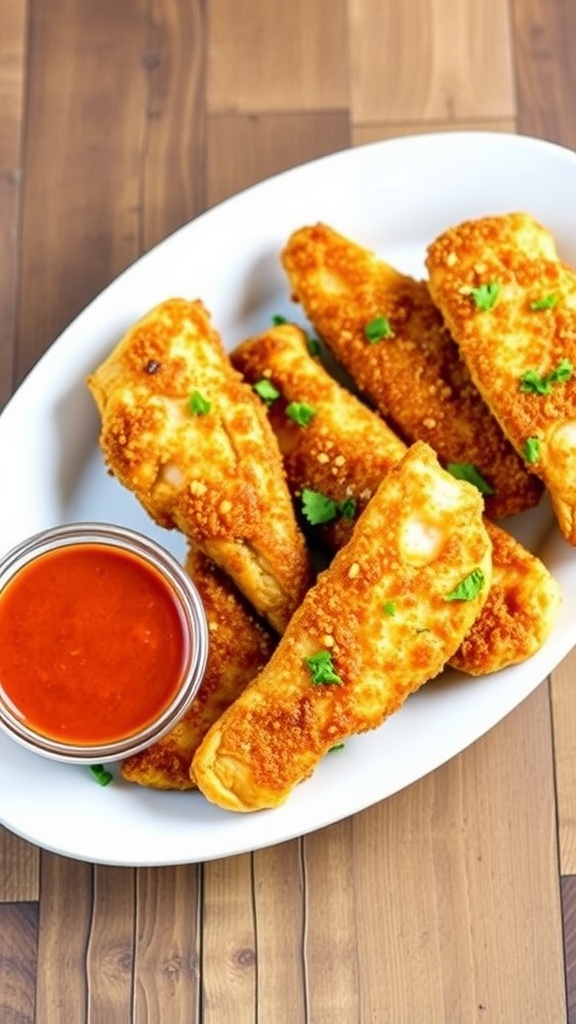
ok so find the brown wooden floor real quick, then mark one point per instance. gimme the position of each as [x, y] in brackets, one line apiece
[455, 901]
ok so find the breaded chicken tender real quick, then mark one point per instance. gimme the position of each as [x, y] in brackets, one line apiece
[519, 614]
[240, 646]
[382, 620]
[192, 441]
[384, 329]
[510, 304]
[328, 438]
[345, 449]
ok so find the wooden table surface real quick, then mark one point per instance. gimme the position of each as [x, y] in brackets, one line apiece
[455, 900]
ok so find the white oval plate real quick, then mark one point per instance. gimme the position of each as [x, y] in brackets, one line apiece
[393, 197]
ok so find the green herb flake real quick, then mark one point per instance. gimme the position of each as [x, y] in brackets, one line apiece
[314, 347]
[317, 508]
[322, 669]
[266, 391]
[467, 471]
[389, 608]
[278, 320]
[337, 746]
[198, 405]
[532, 449]
[378, 329]
[347, 508]
[101, 774]
[468, 588]
[546, 302]
[301, 413]
[534, 383]
[486, 295]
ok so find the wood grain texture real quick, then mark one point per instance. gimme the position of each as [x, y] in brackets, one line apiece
[18, 941]
[19, 868]
[167, 947]
[455, 61]
[277, 57]
[544, 36]
[119, 122]
[12, 85]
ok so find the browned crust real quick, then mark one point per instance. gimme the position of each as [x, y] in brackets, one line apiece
[415, 378]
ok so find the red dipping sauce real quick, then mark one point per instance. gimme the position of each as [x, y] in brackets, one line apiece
[95, 644]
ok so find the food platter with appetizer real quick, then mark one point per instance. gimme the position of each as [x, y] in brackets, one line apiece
[343, 401]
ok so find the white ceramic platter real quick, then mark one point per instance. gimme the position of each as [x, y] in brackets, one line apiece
[393, 197]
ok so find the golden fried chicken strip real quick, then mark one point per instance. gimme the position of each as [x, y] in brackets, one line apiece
[192, 441]
[240, 646]
[408, 366]
[519, 614]
[345, 450]
[330, 441]
[382, 620]
[510, 304]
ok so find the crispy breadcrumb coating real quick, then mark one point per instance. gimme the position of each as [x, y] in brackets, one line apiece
[192, 441]
[412, 373]
[521, 347]
[384, 619]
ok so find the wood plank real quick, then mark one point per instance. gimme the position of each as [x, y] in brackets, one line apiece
[84, 131]
[569, 916]
[544, 34]
[564, 722]
[277, 57]
[243, 150]
[19, 868]
[455, 60]
[172, 148]
[18, 940]
[280, 932]
[110, 947]
[167, 952]
[334, 971]
[12, 77]
[363, 133]
[455, 900]
[66, 898]
[228, 963]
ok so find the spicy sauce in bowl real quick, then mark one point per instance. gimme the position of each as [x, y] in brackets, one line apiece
[103, 642]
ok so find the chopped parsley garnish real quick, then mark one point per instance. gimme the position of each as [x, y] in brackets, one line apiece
[347, 508]
[319, 508]
[486, 295]
[278, 320]
[314, 346]
[378, 329]
[467, 471]
[546, 302]
[468, 588]
[301, 413]
[266, 391]
[389, 608]
[101, 774]
[534, 383]
[532, 449]
[337, 746]
[198, 405]
[322, 669]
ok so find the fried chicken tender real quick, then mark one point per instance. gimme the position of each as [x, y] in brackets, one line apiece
[240, 646]
[381, 621]
[345, 451]
[192, 441]
[510, 304]
[409, 366]
[341, 452]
